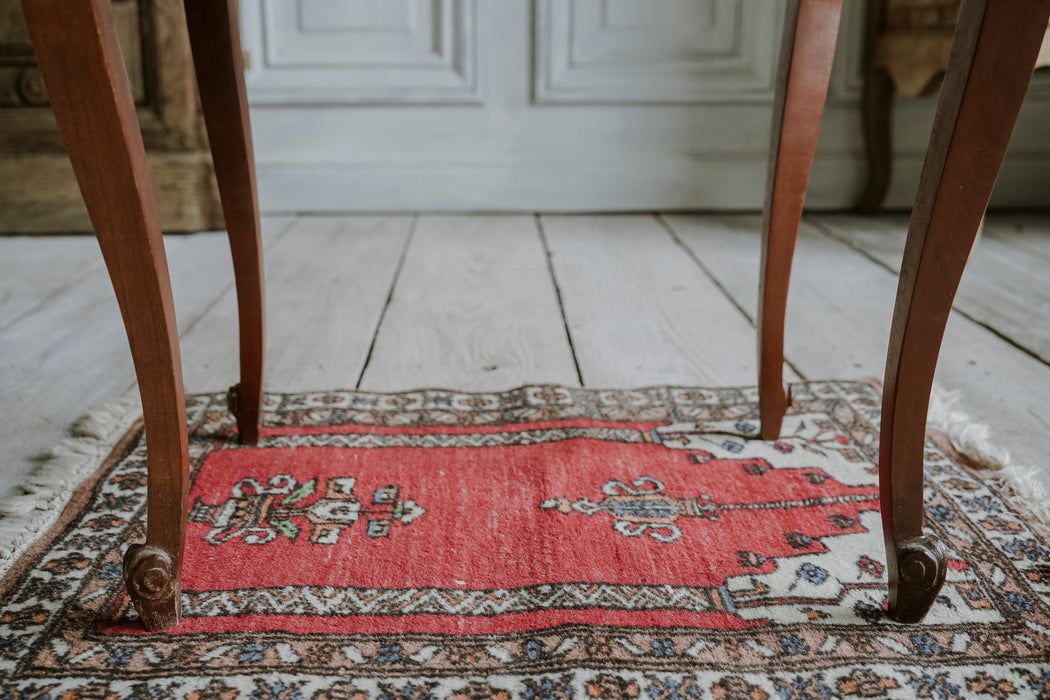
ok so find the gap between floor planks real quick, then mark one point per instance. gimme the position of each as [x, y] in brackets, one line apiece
[67, 353]
[998, 329]
[472, 302]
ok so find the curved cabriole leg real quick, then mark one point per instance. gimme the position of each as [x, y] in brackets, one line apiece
[806, 54]
[991, 64]
[76, 48]
[215, 40]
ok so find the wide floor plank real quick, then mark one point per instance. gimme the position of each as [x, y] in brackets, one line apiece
[839, 313]
[1003, 287]
[33, 273]
[640, 311]
[823, 325]
[474, 309]
[327, 279]
[70, 353]
[1029, 233]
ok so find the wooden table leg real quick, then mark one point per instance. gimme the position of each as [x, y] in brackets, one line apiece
[216, 44]
[992, 61]
[806, 54]
[76, 48]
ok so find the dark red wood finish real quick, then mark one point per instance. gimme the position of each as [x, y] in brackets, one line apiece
[218, 62]
[806, 54]
[76, 48]
[996, 45]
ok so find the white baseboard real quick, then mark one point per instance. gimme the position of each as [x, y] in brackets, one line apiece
[708, 183]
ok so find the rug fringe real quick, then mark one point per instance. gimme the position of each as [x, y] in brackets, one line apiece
[33, 507]
[1029, 486]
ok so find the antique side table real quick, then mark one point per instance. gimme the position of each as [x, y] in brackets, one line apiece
[995, 48]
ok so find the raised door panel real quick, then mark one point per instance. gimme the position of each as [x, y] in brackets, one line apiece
[675, 51]
[561, 105]
[354, 51]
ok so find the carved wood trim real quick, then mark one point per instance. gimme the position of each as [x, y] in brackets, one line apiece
[39, 194]
[37, 190]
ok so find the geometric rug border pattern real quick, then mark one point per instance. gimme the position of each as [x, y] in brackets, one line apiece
[672, 554]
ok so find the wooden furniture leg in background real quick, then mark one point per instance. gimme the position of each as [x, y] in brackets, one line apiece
[878, 139]
[76, 48]
[217, 59]
[806, 54]
[991, 64]
[877, 104]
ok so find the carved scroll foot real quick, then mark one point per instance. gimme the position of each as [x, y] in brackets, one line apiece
[921, 565]
[154, 587]
[247, 413]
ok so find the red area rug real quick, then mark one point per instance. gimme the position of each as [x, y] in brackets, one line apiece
[539, 543]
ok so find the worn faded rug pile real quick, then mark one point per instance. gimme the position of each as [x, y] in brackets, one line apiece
[539, 543]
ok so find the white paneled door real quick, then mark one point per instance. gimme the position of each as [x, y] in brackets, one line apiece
[553, 105]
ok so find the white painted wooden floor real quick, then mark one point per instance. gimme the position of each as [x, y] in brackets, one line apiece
[492, 302]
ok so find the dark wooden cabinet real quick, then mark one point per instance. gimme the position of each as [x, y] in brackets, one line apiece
[909, 43]
[38, 193]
